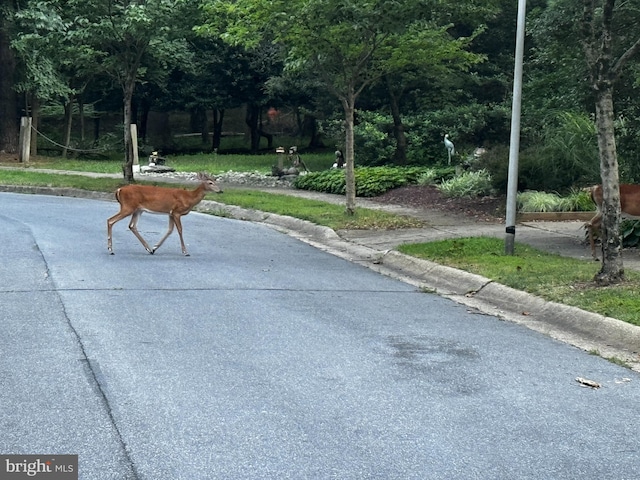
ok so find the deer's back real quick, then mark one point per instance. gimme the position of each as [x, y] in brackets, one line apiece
[158, 199]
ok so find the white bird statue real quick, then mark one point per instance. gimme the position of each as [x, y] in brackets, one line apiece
[451, 150]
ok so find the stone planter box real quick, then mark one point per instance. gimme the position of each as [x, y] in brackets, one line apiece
[554, 216]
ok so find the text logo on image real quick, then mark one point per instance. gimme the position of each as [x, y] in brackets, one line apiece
[49, 467]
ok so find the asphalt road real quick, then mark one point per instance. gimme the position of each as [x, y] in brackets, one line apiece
[260, 357]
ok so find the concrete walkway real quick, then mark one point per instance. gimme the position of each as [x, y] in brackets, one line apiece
[565, 238]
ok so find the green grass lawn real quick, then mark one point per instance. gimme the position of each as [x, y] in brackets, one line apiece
[560, 279]
[318, 212]
[321, 213]
[207, 162]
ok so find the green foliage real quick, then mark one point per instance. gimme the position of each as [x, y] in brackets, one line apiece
[468, 184]
[429, 177]
[373, 140]
[534, 201]
[578, 201]
[564, 155]
[469, 126]
[328, 181]
[374, 143]
[370, 181]
[630, 233]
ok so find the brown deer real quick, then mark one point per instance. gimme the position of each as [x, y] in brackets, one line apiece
[629, 206]
[175, 202]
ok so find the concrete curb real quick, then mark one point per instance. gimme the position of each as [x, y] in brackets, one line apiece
[608, 337]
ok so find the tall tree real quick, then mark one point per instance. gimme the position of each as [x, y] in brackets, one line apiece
[51, 64]
[128, 37]
[8, 99]
[608, 46]
[347, 45]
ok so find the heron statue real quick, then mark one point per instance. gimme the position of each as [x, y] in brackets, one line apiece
[451, 150]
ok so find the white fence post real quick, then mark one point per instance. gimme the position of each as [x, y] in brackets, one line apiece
[134, 145]
[24, 146]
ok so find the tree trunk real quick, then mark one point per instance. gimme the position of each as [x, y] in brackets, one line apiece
[96, 130]
[68, 120]
[127, 167]
[199, 123]
[349, 170]
[143, 119]
[310, 128]
[251, 119]
[81, 117]
[400, 155]
[35, 119]
[218, 117]
[612, 270]
[9, 117]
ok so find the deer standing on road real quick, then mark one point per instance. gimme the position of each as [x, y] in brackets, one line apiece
[629, 206]
[175, 202]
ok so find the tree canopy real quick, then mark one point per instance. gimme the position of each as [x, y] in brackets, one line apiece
[347, 45]
[383, 81]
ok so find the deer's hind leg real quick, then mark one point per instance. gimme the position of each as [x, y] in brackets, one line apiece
[594, 230]
[123, 213]
[133, 227]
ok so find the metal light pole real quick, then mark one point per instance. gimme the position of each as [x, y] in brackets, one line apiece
[514, 146]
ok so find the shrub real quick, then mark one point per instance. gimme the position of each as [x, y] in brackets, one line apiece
[327, 181]
[533, 201]
[468, 184]
[563, 154]
[470, 125]
[429, 177]
[578, 201]
[630, 233]
[373, 138]
[370, 181]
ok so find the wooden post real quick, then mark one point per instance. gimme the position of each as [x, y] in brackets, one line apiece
[134, 146]
[24, 147]
[280, 153]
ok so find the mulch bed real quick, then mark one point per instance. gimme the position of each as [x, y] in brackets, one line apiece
[428, 196]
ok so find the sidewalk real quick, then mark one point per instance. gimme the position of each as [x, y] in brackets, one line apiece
[565, 238]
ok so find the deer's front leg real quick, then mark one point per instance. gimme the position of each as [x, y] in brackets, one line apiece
[178, 223]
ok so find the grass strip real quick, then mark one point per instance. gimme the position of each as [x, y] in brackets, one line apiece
[560, 279]
[315, 211]
[321, 213]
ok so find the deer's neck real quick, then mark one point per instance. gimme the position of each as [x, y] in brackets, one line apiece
[198, 194]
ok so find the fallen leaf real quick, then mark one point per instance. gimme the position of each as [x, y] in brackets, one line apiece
[622, 380]
[587, 383]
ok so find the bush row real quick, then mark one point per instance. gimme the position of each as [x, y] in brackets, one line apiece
[370, 181]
